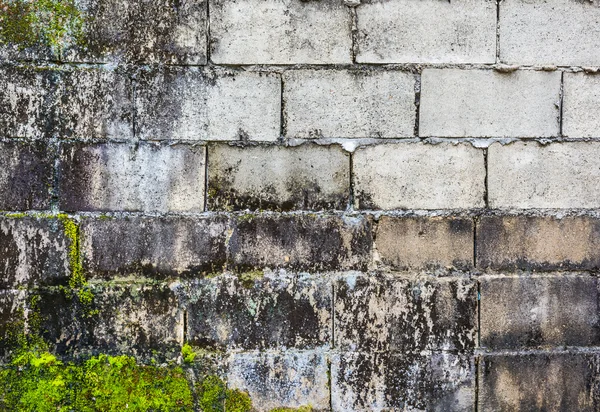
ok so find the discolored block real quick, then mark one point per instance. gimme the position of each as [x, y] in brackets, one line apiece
[120, 177]
[511, 382]
[158, 248]
[383, 314]
[425, 242]
[289, 379]
[534, 311]
[257, 311]
[403, 381]
[538, 243]
[35, 252]
[301, 242]
[306, 177]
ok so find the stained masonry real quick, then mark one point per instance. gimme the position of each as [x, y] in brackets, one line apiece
[344, 205]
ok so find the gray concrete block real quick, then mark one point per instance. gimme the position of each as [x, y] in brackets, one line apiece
[419, 176]
[526, 175]
[349, 103]
[409, 31]
[486, 103]
[581, 105]
[280, 32]
[308, 177]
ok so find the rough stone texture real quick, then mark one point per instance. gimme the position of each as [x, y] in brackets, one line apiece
[349, 103]
[154, 248]
[146, 177]
[581, 105]
[142, 31]
[538, 243]
[25, 176]
[12, 314]
[528, 175]
[280, 32]
[425, 242]
[409, 31]
[390, 314]
[131, 319]
[211, 104]
[517, 312]
[510, 382]
[301, 242]
[419, 176]
[484, 103]
[34, 252]
[402, 381]
[557, 32]
[308, 177]
[281, 379]
[255, 311]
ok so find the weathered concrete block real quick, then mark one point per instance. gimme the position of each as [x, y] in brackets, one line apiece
[211, 104]
[93, 104]
[538, 243]
[391, 314]
[402, 381]
[539, 382]
[301, 242]
[12, 319]
[308, 177]
[529, 175]
[517, 312]
[484, 103]
[146, 177]
[581, 105]
[25, 175]
[425, 242]
[258, 311]
[154, 247]
[349, 103]
[143, 31]
[409, 31]
[24, 93]
[34, 252]
[280, 32]
[419, 176]
[132, 319]
[287, 379]
[548, 32]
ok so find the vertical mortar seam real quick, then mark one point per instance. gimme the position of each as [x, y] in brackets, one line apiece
[417, 92]
[353, 33]
[498, 31]
[282, 123]
[208, 36]
[486, 200]
[561, 104]
[205, 208]
[350, 206]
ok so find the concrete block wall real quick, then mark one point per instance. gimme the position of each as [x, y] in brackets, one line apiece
[357, 204]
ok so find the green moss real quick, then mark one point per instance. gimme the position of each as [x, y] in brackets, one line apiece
[188, 353]
[246, 217]
[213, 396]
[247, 279]
[52, 23]
[16, 215]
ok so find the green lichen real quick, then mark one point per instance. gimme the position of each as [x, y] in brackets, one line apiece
[247, 279]
[214, 396]
[52, 23]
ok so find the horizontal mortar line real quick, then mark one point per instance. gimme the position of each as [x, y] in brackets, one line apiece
[538, 351]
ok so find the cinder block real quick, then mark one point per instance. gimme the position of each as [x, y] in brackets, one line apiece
[521, 312]
[413, 31]
[286, 379]
[157, 248]
[301, 242]
[308, 177]
[349, 103]
[121, 177]
[150, 31]
[557, 32]
[513, 382]
[419, 176]
[280, 32]
[402, 381]
[581, 105]
[528, 175]
[538, 243]
[35, 252]
[486, 103]
[257, 311]
[25, 175]
[211, 104]
[425, 242]
[387, 314]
